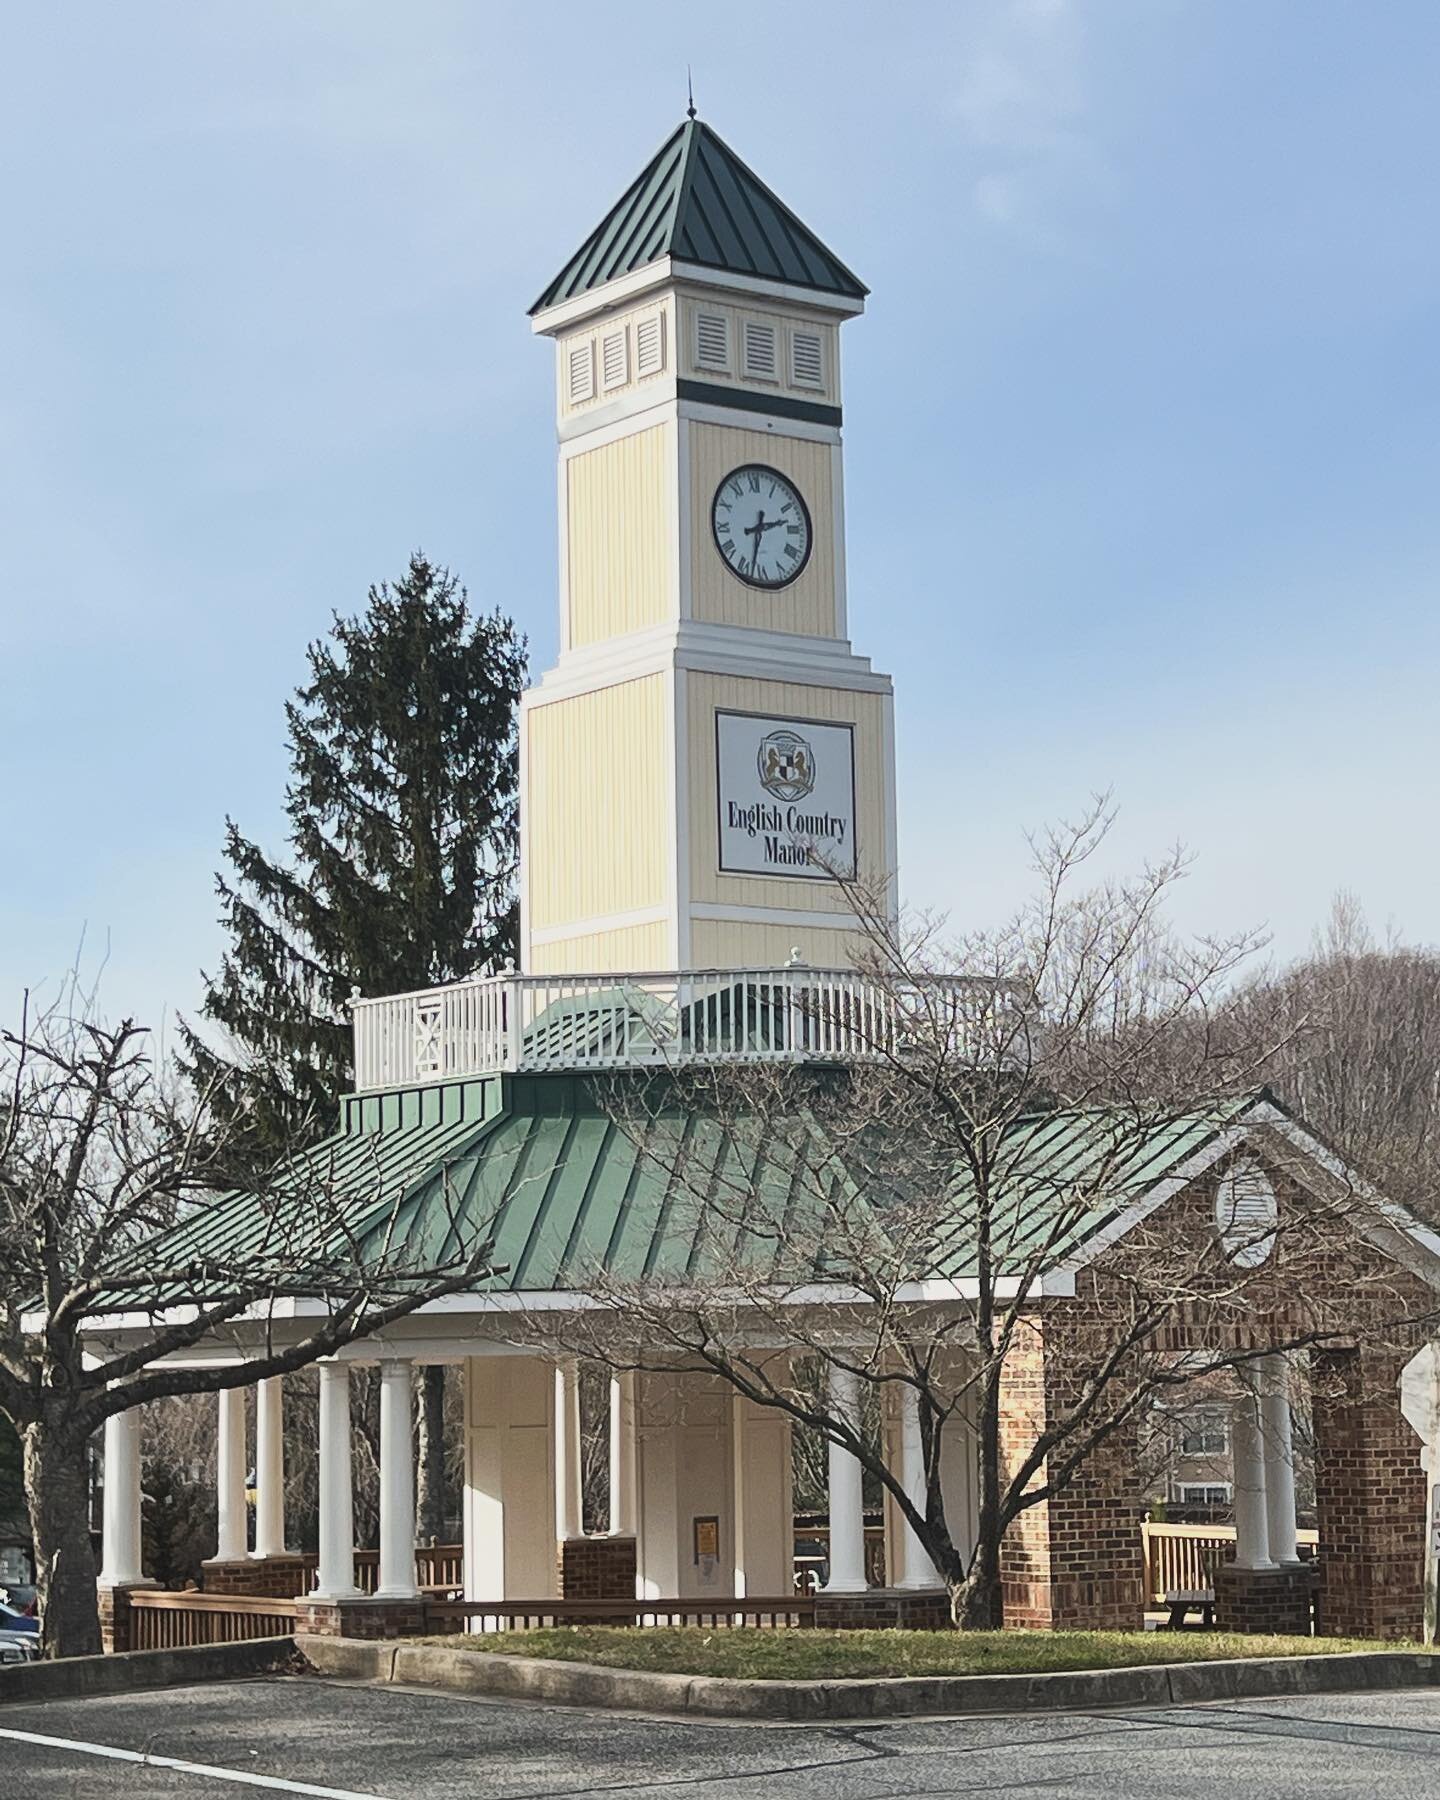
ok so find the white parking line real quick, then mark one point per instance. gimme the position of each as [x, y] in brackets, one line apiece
[243, 1776]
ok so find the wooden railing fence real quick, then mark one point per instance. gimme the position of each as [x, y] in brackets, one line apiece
[721, 1613]
[164, 1621]
[1181, 1559]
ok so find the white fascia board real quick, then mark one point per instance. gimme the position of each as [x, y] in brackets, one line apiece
[622, 921]
[841, 919]
[618, 418]
[708, 649]
[696, 275]
[619, 292]
[693, 277]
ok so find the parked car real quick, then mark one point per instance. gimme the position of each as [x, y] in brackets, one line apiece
[19, 1594]
[13, 1620]
[18, 1647]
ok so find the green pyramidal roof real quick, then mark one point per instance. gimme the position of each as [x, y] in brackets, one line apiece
[696, 201]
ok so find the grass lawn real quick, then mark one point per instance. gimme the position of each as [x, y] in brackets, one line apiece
[822, 1655]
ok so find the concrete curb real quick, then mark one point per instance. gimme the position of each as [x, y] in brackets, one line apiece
[586, 1684]
[78, 1676]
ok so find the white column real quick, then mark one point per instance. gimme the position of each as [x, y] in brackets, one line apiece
[335, 1577]
[1247, 1454]
[622, 1454]
[121, 1558]
[397, 1483]
[847, 1504]
[270, 1467]
[568, 1514]
[1279, 1460]
[918, 1570]
[230, 1471]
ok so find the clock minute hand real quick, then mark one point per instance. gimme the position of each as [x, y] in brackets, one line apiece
[756, 531]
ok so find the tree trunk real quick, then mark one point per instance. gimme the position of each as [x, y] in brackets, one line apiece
[976, 1602]
[430, 1453]
[57, 1490]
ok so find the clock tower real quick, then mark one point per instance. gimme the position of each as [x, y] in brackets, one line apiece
[708, 755]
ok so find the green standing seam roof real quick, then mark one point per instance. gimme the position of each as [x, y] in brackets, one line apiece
[540, 1164]
[696, 201]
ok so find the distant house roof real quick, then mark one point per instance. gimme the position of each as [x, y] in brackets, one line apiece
[697, 202]
[568, 1188]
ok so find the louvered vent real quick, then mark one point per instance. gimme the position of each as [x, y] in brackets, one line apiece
[807, 368]
[614, 360]
[759, 350]
[582, 373]
[712, 341]
[650, 345]
[1246, 1214]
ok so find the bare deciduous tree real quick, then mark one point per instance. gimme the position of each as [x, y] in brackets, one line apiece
[900, 1221]
[99, 1151]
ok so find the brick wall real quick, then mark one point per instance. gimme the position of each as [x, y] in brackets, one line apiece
[361, 1618]
[884, 1609]
[598, 1568]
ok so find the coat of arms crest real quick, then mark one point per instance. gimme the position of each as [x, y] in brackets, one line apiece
[787, 765]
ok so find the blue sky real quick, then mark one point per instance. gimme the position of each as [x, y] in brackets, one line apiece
[1141, 425]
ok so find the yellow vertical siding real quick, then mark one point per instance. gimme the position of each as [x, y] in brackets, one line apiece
[619, 507]
[597, 797]
[785, 700]
[632, 947]
[739, 944]
[808, 605]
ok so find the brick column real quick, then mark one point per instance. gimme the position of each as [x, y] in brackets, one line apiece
[1075, 1561]
[1370, 1498]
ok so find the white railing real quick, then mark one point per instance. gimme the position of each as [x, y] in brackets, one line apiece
[499, 1023]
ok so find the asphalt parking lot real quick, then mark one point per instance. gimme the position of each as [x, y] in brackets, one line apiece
[293, 1735]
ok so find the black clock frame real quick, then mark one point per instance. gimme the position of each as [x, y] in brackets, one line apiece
[765, 587]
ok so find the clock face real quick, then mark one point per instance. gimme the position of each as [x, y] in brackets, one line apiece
[761, 525]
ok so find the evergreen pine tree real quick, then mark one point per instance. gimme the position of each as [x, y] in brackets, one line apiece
[403, 837]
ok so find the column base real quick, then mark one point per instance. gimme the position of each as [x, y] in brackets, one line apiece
[266, 1577]
[1275, 1601]
[117, 1631]
[598, 1568]
[363, 1616]
[884, 1609]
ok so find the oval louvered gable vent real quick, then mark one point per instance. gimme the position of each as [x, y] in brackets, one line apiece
[807, 368]
[759, 350]
[581, 384]
[712, 341]
[1246, 1213]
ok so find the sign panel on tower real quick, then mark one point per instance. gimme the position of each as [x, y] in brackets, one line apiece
[786, 793]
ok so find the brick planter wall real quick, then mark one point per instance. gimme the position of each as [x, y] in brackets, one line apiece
[598, 1568]
[361, 1618]
[1264, 1600]
[884, 1609]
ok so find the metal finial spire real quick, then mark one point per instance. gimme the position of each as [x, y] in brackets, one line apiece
[689, 94]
